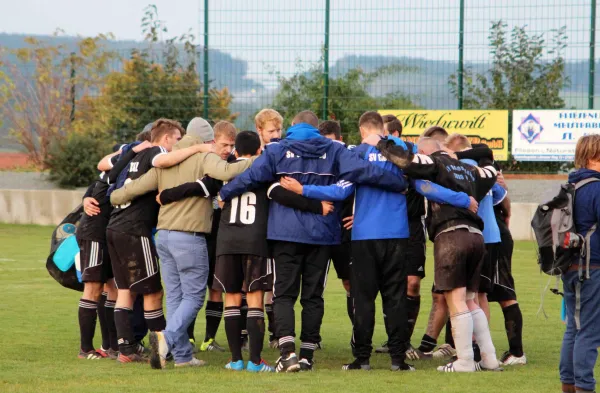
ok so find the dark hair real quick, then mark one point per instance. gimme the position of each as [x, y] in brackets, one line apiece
[393, 124]
[165, 126]
[435, 130]
[144, 136]
[371, 119]
[247, 143]
[307, 117]
[329, 127]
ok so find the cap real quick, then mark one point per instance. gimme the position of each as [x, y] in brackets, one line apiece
[199, 128]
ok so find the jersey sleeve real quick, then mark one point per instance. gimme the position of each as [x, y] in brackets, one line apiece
[418, 166]
[334, 192]
[436, 193]
[292, 200]
[486, 178]
[155, 152]
[498, 194]
[476, 153]
[120, 165]
[261, 171]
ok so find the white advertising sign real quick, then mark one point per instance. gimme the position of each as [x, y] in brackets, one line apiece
[551, 135]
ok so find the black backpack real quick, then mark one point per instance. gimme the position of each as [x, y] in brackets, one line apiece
[559, 244]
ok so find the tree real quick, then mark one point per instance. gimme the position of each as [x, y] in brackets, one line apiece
[44, 89]
[520, 76]
[160, 81]
[348, 96]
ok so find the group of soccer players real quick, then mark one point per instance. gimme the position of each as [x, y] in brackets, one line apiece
[259, 218]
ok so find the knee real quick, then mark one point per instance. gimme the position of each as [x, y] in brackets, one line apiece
[507, 303]
[215, 296]
[413, 287]
[93, 290]
[346, 284]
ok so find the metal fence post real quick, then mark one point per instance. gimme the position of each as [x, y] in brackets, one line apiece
[72, 80]
[206, 81]
[592, 56]
[461, 42]
[325, 112]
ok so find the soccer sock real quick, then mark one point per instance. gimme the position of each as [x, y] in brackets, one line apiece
[103, 321]
[214, 312]
[481, 330]
[233, 330]
[428, 344]
[109, 310]
[256, 333]
[87, 323]
[350, 308]
[190, 330]
[244, 315]
[124, 332]
[462, 331]
[287, 345]
[413, 305]
[155, 319]
[271, 318]
[307, 350]
[513, 323]
[449, 338]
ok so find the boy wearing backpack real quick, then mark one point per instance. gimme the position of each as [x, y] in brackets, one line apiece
[581, 281]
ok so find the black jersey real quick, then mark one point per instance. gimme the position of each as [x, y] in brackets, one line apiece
[243, 224]
[139, 216]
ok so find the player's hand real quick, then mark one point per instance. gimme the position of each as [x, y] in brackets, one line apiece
[142, 146]
[473, 206]
[90, 206]
[500, 180]
[372, 140]
[221, 203]
[348, 222]
[327, 207]
[291, 184]
[158, 198]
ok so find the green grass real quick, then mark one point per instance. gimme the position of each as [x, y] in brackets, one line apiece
[39, 341]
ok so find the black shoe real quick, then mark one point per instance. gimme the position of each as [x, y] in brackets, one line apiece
[288, 365]
[306, 364]
[357, 365]
[401, 366]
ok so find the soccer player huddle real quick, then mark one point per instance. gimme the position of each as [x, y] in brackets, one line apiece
[255, 220]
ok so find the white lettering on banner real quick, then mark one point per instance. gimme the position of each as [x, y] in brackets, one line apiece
[551, 135]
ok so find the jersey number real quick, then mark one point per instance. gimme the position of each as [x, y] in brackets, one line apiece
[246, 202]
[126, 205]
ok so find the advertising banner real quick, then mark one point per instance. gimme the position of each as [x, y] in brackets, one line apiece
[480, 126]
[551, 135]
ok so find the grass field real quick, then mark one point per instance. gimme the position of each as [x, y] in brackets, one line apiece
[39, 341]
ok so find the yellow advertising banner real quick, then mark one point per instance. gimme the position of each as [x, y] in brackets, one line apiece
[481, 126]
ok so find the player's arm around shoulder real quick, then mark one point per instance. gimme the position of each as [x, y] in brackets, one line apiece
[132, 189]
[215, 167]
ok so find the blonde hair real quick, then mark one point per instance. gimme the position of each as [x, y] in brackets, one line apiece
[226, 129]
[457, 142]
[265, 116]
[588, 148]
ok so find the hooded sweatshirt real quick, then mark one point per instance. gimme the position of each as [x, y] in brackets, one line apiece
[311, 159]
[587, 209]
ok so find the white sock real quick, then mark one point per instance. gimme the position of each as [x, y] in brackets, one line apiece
[481, 329]
[462, 332]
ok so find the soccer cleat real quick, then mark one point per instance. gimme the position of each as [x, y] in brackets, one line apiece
[211, 345]
[140, 349]
[91, 355]
[416, 354]
[262, 367]
[159, 349]
[509, 359]
[195, 349]
[401, 365]
[192, 363]
[383, 348]
[357, 365]
[133, 358]
[306, 364]
[443, 351]
[288, 365]
[479, 367]
[108, 353]
[235, 366]
[450, 368]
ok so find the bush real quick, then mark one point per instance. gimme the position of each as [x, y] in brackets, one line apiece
[72, 162]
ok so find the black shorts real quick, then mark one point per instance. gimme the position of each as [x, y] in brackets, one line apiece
[415, 253]
[243, 273]
[134, 262]
[489, 265]
[503, 281]
[341, 256]
[94, 261]
[458, 257]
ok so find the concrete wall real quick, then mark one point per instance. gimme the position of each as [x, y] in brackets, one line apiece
[49, 207]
